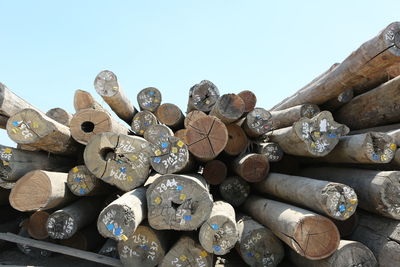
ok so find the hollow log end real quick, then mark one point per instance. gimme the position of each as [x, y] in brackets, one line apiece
[341, 201]
[106, 83]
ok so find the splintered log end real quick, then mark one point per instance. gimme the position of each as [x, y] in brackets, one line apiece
[309, 110]
[106, 83]
[203, 96]
[340, 201]
[170, 115]
[249, 99]
[37, 225]
[193, 116]
[379, 147]
[142, 121]
[157, 131]
[181, 134]
[234, 190]
[252, 167]
[258, 122]
[215, 172]
[229, 108]
[149, 99]
[237, 140]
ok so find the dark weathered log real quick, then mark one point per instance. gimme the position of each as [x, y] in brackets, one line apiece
[119, 160]
[170, 115]
[15, 163]
[145, 247]
[178, 202]
[64, 223]
[309, 234]
[349, 253]
[286, 117]
[332, 199]
[31, 251]
[3, 122]
[257, 122]
[251, 167]
[249, 99]
[215, 172]
[257, 245]
[187, 252]
[193, 116]
[154, 132]
[234, 190]
[271, 150]
[364, 69]
[37, 225]
[107, 86]
[181, 134]
[337, 102]
[237, 140]
[377, 191]
[314, 137]
[219, 234]
[84, 100]
[228, 108]
[149, 99]
[120, 219]
[87, 239]
[45, 189]
[142, 121]
[206, 138]
[82, 182]
[110, 249]
[60, 115]
[89, 122]
[38, 130]
[10, 103]
[202, 96]
[346, 228]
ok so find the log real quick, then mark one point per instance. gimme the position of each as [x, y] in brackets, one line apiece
[170, 115]
[187, 252]
[64, 223]
[31, 251]
[87, 239]
[219, 233]
[119, 160]
[10, 103]
[286, 117]
[384, 128]
[206, 138]
[234, 190]
[6, 184]
[28, 147]
[154, 132]
[337, 102]
[308, 234]
[3, 122]
[35, 129]
[37, 225]
[251, 167]
[82, 182]
[395, 135]
[257, 245]
[249, 99]
[142, 121]
[192, 116]
[335, 200]
[314, 137]
[107, 86]
[46, 190]
[237, 140]
[120, 219]
[84, 100]
[349, 253]
[149, 99]
[145, 247]
[228, 108]
[377, 191]
[110, 249]
[60, 115]
[181, 134]
[271, 150]
[15, 163]
[202, 96]
[88, 122]
[178, 202]
[215, 172]
[364, 69]
[257, 122]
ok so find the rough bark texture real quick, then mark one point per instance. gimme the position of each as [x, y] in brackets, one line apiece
[229, 108]
[202, 96]
[234, 190]
[157, 131]
[149, 99]
[170, 115]
[142, 121]
[286, 117]
[384, 128]
[249, 99]
[82, 182]
[251, 167]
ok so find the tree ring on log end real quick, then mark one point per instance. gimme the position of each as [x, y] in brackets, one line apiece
[340, 200]
[106, 83]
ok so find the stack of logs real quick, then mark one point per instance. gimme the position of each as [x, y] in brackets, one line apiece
[316, 178]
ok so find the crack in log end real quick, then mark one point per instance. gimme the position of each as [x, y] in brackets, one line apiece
[390, 196]
[340, 200]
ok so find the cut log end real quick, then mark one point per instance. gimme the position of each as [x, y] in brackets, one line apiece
[215, 172]
[234, 190]
[249, 99]
[181, 134]
[340, 200]
[106, 83]
[390, 197]
[170, 115]
[81, 181]
[271, 150]
[392, 38]
[27, 127]
[252, 167]
[142, 121]
[203, 96]
[60, 115]
[61, 225]
[258, 122]
[193, 116]
[149, 99]
[237, 140]
[380, 147]
[157, 131]
[37, 225]
[229, 108]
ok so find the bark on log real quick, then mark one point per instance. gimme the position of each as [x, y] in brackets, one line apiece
[192, 116]
[170, 115]
[219, 233]
[286, 117]
[257, 245]
[202, 96]
[82, 182]
[377, 191]
[149, 99]
[249, 99]
[10, 103]
[309, 234]
[337, 102]
[314, 137]
[335, 200]
[257, 122]
[31, 251]
[45, 189]
[206, 138]
[84, 100]
[154, 132]
[228, 108]
[364, 69]
[110, 249]
[251, 167]
[234, 190]
[120, 219]
[271, 150]
[178, 202]
[119, 160]
[237, 140]
[89, 122]
[215, 172]
[60, 115]
[142, 121]
[37, 225]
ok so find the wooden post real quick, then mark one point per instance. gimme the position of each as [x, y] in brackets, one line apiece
[257, 245]
[332, 199]
[219, 234]
[377, 192]
[237, 140]
[119, 160]
[154, 132]
[142, 121]
[31, 251]
[271, 150]
[170, 115]
[234, 190]
[149, 99]
[120, 219]
[249, 99]
[82, 182]
[36, 129]
[84, 100]
[229, 108]
[206, 138]
[257, 122]
[251, 167]
[45, 189]
[193, 116]
[286, 117]
[178, 202]
[37, 225]
[215, 171]
[314, 137]
[364, 69]
[10, 103]
[187, 252]
[145, 247]
[337, 102]
[60, 115]
[89, 122]
[107, 86]
[202, 96]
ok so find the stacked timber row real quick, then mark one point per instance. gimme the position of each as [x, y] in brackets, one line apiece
[227, 182]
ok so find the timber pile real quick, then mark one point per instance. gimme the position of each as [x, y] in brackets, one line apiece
[226, 184]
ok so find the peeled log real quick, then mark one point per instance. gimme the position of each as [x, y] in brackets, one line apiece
[170, 115]
[234, 190]
[237, 140]
[142, 121]
[314, 137]
[249, 99]
[257, 122]
[202, 96]
[251, 167]
[84, 100]
[364, 69]
[157, 131]
[286, 117]
[215, 172]
[60, 115]
[309, 234]
[271, 150]
[229, 108]
[149, 99]
[82, 182]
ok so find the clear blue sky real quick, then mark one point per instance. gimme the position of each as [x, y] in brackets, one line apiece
[51, 48]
